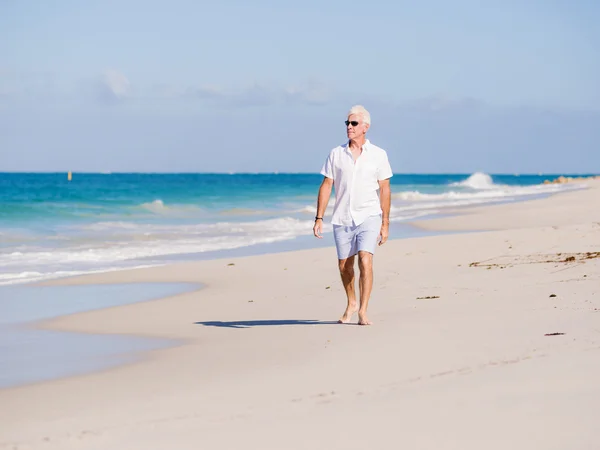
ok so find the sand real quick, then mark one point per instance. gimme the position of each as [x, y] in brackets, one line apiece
[482, 340]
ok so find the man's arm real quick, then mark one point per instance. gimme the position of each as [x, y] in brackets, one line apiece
[322, 201]
[385, 199]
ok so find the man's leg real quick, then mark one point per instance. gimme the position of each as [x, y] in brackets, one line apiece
[347, 273]
[365, 265]
[366, 244]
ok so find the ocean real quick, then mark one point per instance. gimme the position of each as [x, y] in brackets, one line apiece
[51, 227]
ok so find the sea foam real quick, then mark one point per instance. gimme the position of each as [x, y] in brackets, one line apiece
[478, 180]
[206, 213]
[105, 245]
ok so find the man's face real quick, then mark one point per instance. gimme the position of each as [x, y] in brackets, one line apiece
[356, 127]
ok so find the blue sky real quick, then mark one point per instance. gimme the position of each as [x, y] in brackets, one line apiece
[499, 86]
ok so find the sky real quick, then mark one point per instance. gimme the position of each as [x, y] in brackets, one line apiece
[192, 86]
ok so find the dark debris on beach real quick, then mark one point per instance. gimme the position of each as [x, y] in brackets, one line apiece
[504, 262]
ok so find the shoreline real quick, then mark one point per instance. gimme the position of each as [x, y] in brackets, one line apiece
[298, 243]
[469, 313]
[411, 206]
[421, 229]
[414, 228]
[517, 216]
[59, 354]
[442, 226]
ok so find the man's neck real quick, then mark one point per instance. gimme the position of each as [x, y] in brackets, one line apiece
[356, 144]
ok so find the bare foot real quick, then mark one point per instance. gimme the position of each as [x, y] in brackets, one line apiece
[363, 320]
[347, 317]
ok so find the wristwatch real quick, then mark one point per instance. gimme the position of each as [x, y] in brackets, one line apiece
[318, 218]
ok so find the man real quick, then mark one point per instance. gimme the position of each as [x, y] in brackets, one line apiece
[360, 172]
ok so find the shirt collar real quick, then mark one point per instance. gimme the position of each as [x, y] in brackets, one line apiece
[365, 146]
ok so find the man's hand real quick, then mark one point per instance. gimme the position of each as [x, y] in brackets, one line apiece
[318, 228]
[384, 233]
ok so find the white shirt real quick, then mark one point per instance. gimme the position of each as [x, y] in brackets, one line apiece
[356, 183]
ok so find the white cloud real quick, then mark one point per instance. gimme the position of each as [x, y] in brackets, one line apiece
[312, 93]
[27, 84]
[114, 86]
[442, 102]
[208, 92]
[253, 95]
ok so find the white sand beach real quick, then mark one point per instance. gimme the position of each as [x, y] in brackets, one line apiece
[488, 339]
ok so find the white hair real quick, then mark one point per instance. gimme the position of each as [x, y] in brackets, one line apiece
[362, 111]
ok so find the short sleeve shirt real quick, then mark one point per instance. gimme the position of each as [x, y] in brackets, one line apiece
[356, 183]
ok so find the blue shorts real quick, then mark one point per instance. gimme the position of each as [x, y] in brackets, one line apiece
[351, 240]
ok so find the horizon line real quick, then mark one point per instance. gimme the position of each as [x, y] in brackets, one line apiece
[51, 172]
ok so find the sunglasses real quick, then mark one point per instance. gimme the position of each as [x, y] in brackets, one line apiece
[353, 122]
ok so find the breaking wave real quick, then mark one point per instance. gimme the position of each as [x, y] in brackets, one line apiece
[478, 180]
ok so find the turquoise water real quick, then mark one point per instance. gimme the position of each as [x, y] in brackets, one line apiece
[51, 227]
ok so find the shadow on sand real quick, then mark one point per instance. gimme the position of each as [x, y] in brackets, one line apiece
[263, 323]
